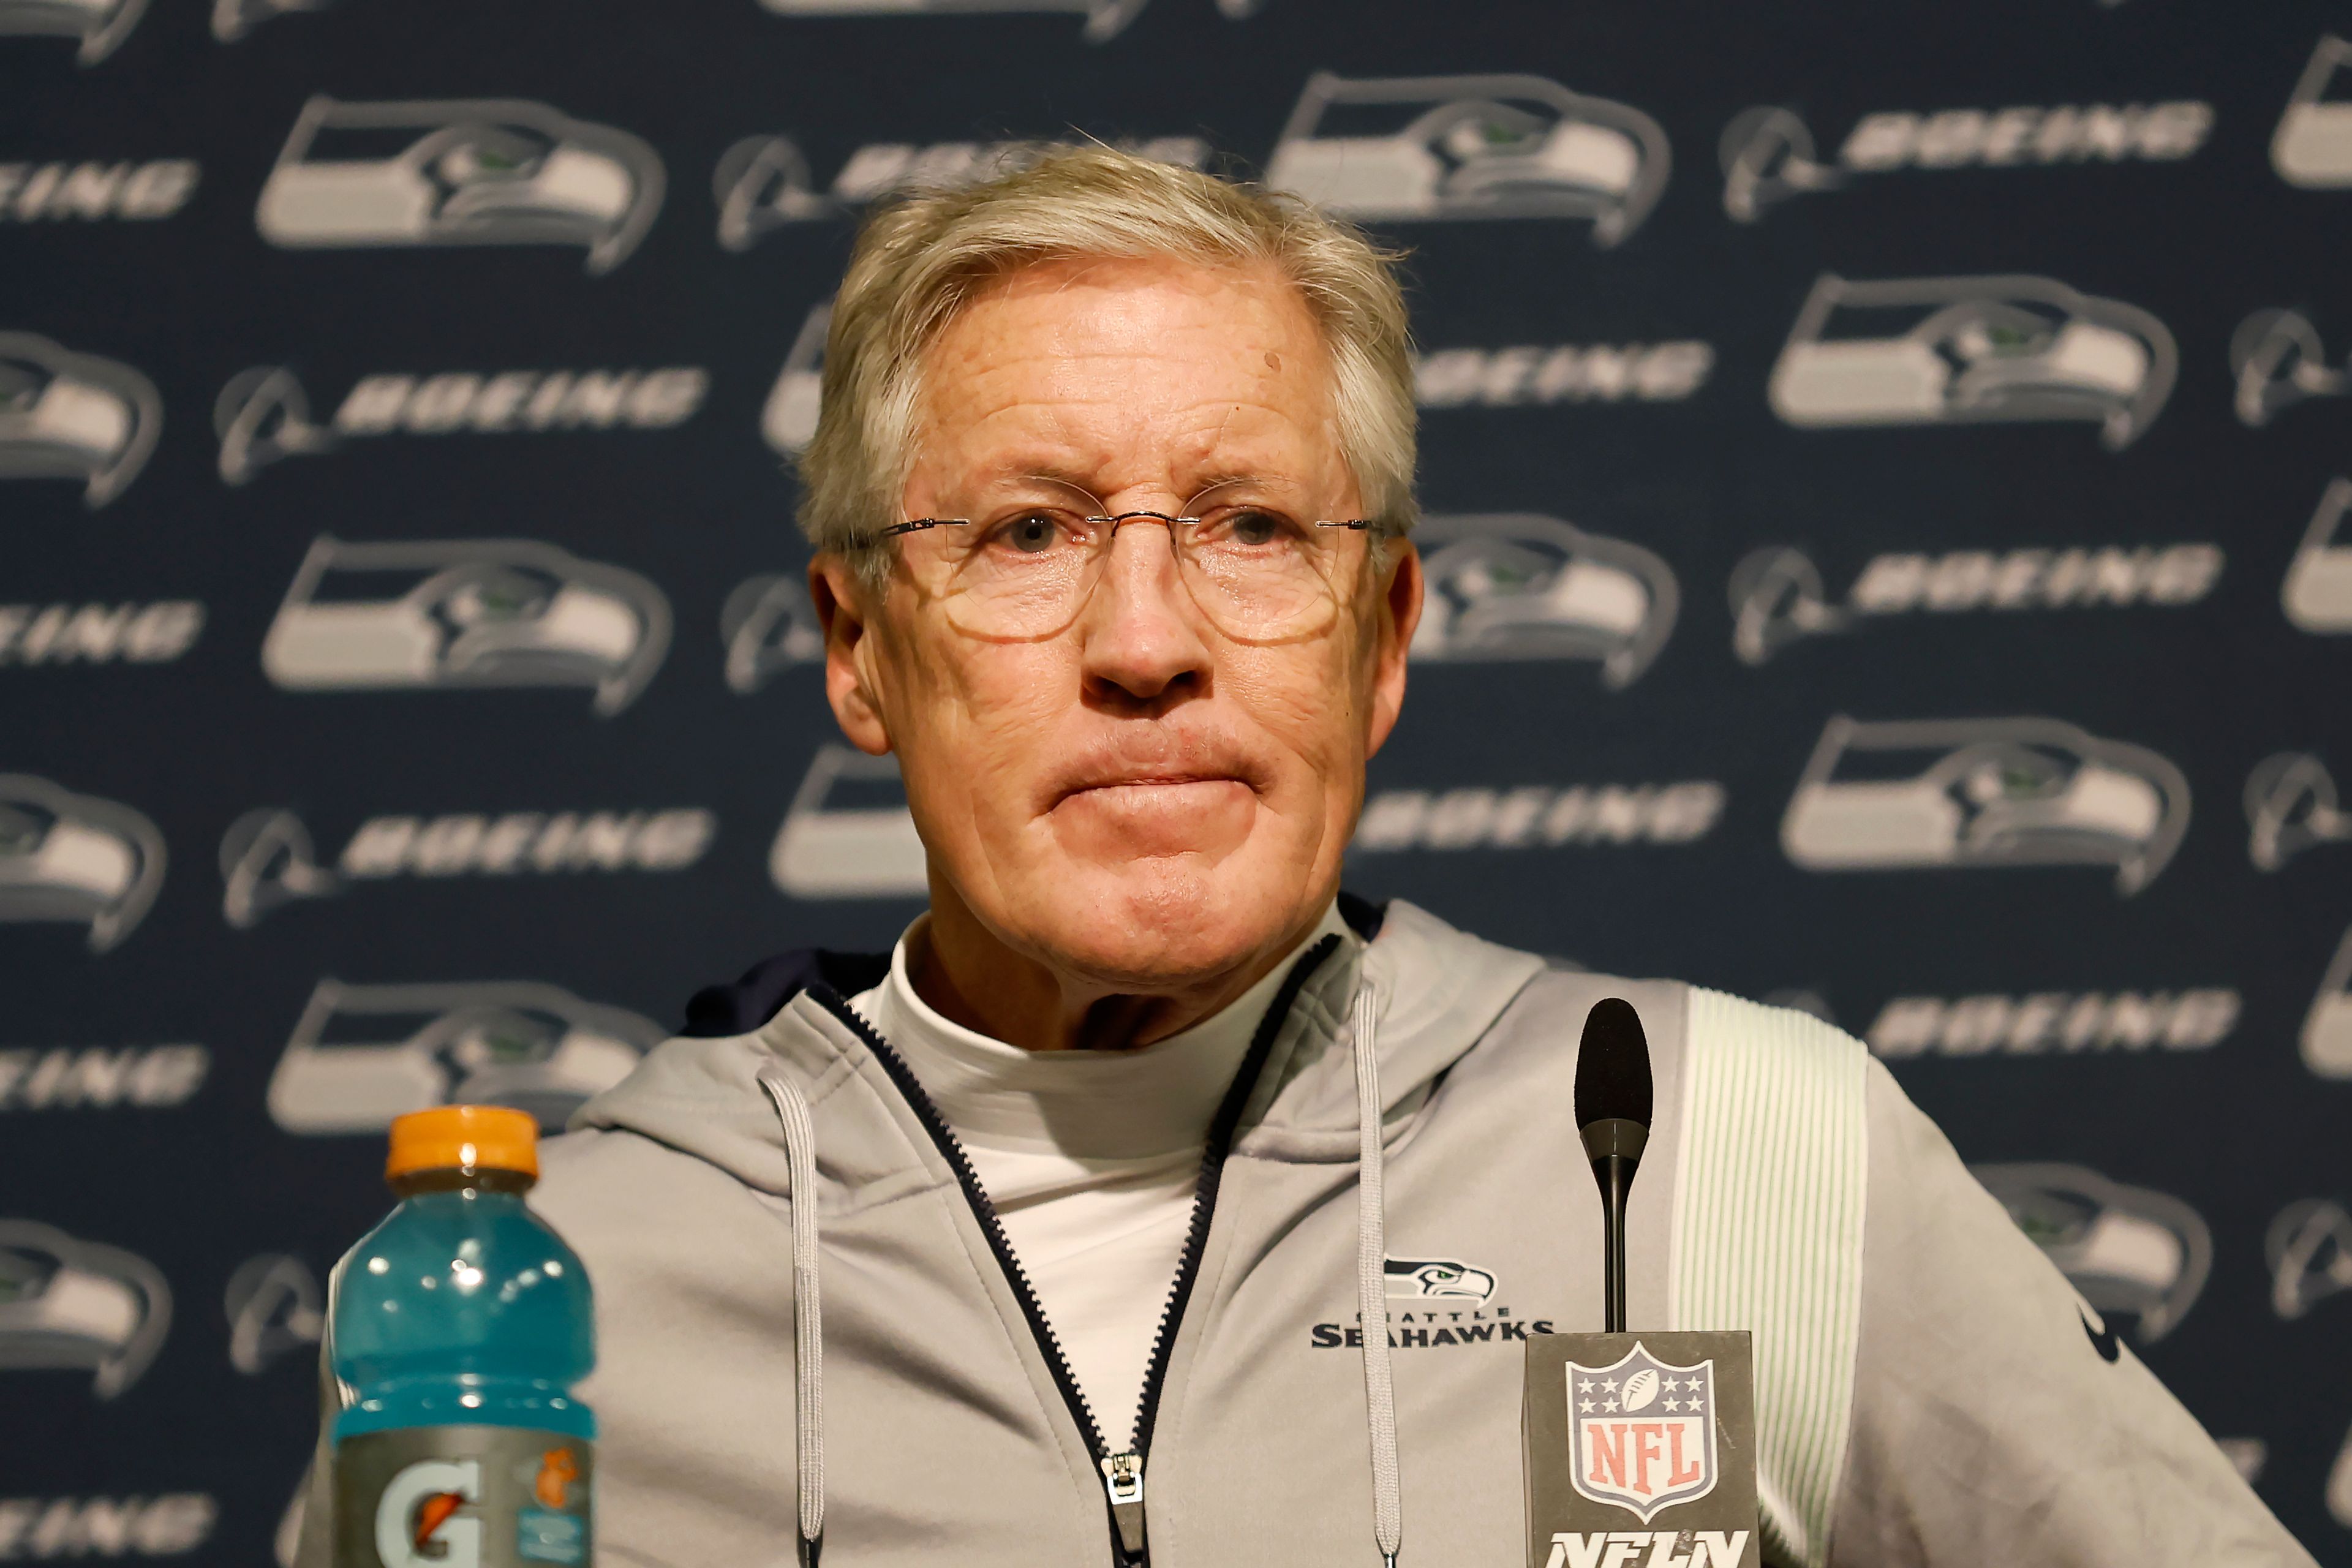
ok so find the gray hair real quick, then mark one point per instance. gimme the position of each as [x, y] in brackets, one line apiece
[920, 260]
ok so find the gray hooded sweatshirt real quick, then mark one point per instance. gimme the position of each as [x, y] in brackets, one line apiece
[810, 1326]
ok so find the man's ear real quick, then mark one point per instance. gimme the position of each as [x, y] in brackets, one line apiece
[1397, 611]
[843, 608]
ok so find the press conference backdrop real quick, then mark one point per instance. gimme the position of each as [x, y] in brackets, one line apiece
[1886, 479]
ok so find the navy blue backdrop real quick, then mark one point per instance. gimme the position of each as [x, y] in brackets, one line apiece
[1886, 473]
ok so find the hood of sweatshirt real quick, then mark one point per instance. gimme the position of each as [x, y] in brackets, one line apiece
[1439, 990]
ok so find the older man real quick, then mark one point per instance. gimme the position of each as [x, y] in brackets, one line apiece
[1154, 1201]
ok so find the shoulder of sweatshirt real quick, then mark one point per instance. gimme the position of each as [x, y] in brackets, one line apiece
[613, 1192]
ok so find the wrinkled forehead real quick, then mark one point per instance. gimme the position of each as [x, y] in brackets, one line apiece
[1114, 372]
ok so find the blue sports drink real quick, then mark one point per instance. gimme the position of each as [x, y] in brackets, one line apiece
[461, 1323]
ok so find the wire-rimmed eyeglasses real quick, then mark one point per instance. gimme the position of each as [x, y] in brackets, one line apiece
[1258, 574]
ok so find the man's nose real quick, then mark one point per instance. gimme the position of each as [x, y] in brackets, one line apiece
[1139, 633]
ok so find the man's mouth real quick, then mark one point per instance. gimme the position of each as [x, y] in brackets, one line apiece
[1163, 783]
[1149, 779]
[1137, 815]
[1174, 795]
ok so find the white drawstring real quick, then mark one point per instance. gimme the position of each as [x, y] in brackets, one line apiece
[1372, 1277]
[808, 1319]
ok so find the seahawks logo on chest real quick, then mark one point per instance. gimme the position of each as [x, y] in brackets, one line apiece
[1412, 1279]
[1436, 1303]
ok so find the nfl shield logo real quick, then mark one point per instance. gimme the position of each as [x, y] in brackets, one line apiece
[1641, 1432]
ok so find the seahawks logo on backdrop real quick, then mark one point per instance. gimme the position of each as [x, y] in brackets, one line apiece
[439, 172]
[2313, 144]
[1959, 351]
[68, 416]
[96, 24]
[1404, 148]
[2136, 1255]
[1437, 1278]
[69, 1303]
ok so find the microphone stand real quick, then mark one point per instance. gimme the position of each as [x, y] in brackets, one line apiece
[1614, 1145]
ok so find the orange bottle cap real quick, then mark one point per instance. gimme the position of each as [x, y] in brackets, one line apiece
[463, 1138]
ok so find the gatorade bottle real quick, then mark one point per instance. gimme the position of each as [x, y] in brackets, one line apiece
[461, 1322]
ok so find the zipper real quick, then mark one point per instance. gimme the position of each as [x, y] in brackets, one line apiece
[1123, 1481]
[1122, 1473]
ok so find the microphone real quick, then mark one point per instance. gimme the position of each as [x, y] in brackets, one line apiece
[1654, 1430]
[1612, 1117]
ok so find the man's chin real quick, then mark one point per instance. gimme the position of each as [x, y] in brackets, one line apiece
[1153, 923]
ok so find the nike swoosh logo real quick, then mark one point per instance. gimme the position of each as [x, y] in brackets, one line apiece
[2102, 1339]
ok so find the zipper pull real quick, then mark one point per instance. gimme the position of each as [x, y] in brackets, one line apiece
[1123, 1480]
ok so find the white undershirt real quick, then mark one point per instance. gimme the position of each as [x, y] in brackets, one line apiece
[1091, 1159]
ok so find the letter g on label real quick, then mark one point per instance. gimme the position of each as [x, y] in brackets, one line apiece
[460, 1538]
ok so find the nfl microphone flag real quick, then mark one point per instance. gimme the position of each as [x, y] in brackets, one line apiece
[1641, 1449]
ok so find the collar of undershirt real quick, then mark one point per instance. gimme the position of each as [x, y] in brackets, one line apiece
[1153, 1100]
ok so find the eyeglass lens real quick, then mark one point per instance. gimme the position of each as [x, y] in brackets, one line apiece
[1256, 573]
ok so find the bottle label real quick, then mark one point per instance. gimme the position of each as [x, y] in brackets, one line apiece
[463, 1496]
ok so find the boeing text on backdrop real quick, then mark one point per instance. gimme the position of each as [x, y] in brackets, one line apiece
[1111, 491]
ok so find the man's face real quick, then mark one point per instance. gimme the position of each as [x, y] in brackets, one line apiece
[1138, 798]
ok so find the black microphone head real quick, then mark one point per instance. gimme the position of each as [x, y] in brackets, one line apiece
[1613, 1064]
